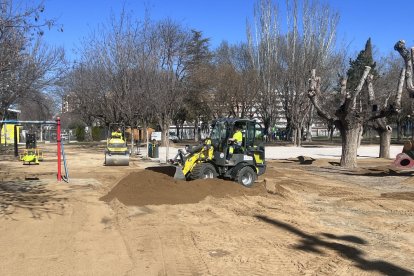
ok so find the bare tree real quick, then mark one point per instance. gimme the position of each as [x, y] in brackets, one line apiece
[26, 65]
[264, 53]
[168, 91]
[235, 83]
[389, 71]
[112, 80]
[349, 117]
[408, 61]
[311, 48]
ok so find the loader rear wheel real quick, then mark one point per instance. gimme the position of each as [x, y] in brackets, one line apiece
[246, 176]
[203, 171]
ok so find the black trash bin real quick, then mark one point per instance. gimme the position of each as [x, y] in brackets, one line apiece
[150, 150]
[153, 150]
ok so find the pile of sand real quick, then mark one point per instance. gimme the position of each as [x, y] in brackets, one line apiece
[154, 188]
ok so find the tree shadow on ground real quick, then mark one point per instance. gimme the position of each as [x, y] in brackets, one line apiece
[28, 195]
[314, 243]
[381, 173]
[361, 171]
[303, 160]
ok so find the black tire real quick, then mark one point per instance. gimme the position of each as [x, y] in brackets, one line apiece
[203, 171]
[246, 176]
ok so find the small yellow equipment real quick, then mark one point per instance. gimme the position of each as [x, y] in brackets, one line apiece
[32, 154]
[116, 152]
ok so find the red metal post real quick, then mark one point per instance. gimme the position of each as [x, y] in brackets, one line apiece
[59, 152]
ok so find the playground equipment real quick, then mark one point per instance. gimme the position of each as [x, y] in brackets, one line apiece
[405, 160]
[32, 154]
[59, 142]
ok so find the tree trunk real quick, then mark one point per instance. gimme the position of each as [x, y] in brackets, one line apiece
[309, 125]
[289, 130]
[167, 145]
[361, 131]
[298, 137]
[350, 146]
[177, 128]
[88, 134]
[385, 142]
[197, 135]
[294, 135]
[266, 123]
[399, 131]
[146, 139]
[164, 133]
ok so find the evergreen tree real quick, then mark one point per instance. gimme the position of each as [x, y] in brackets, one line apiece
[197, 79]
[357, 66]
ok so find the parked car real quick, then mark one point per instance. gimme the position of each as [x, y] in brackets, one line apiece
[156, 135]
[173, 137]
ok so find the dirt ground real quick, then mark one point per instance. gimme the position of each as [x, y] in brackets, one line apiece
[300, 218]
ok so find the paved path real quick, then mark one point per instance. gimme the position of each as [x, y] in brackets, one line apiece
[317, 152]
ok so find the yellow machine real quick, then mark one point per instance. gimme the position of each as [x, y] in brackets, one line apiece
[32, 154]
[29, 156]
[116, 152]
[219, 156]
[196, 162]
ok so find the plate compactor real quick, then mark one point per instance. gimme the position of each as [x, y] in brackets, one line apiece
[220, 156]
[116, 151]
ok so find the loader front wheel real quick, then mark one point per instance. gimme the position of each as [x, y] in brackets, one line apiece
[246, 176]
[203, 171]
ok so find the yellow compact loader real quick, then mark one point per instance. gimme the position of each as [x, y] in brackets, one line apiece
[218, 156]
[116, 152]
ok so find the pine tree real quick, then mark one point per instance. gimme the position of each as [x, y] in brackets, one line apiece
[197, 79]
[357, 66]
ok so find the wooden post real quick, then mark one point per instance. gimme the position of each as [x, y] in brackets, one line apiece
[16, 149]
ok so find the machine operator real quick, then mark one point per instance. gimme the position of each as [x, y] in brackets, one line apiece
[236, 142]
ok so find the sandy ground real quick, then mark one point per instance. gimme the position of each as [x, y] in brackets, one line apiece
[298, 219]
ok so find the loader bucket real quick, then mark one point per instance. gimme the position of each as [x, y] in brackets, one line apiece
[116, 160]
[172, 171]
[179, 174]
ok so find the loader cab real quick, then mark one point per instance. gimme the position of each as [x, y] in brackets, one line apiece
[224, 129]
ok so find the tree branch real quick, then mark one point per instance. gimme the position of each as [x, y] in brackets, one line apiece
[397, 102]
[313, 94]
[405, 54]
[344, 93]
[392, 110]
[361, 84]
[371, 94]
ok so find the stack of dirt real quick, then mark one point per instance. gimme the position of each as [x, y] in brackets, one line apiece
[153, 188]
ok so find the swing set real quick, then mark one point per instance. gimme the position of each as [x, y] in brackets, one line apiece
[36, 152]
